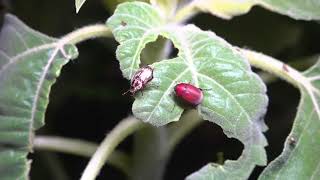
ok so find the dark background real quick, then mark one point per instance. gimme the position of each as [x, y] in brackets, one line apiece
[87, 102]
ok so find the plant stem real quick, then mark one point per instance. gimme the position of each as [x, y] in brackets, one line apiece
[85, 33]
[149, 150]
[79, 147]
[66, 145]
[276, 67]
[119, 133]
[300, 64]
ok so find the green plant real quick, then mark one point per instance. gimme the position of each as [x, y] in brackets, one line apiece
[236, 98]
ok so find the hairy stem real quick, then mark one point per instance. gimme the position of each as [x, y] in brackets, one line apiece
[114, 138]
[65, 145]
[85, 33]
[82, 148]
[285, 72]
[275, 67]
[300, 64]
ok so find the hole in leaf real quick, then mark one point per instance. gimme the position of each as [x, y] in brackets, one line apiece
[156, 51]
[123, 23]
[173, 51]
[281, 112]
[205, 144]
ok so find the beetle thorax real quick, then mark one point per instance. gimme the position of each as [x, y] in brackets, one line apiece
[145, 75]
[136, 85]
[141, 78]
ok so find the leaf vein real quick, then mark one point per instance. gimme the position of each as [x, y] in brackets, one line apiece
[26, 53]
[19, 36]
[166, 92]
[230, 95]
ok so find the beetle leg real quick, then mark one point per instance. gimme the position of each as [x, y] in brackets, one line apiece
[125, 92]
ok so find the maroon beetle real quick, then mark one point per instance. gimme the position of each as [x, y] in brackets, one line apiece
[189, 93]
[140, 79]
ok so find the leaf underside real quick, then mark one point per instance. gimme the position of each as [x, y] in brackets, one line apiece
[236, 99]
[29, 65]
[297, 9]
[300, 158]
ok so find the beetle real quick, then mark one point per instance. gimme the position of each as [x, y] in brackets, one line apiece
[140, 79]
[189, 93]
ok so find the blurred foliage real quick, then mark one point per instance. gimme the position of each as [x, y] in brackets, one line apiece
[111, 5]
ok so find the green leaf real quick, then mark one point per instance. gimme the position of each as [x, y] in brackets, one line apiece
[300, 159]
[297, 9]
[79, 4]
[236, 97]
[29, 65]
[134, 25]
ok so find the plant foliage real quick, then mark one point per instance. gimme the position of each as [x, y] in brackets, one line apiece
[30, 62]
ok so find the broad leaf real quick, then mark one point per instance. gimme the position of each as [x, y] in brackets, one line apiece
[300, 158]
[79, 4]
[235, 98]
[29, 65]
[297, 9]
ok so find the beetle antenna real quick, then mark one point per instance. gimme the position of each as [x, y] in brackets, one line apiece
[125, 92]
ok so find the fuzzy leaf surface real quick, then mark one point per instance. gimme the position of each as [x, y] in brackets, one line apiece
[300, 159]
[236, 99]
[29, 65]
[297, 9]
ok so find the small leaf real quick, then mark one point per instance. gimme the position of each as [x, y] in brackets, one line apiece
[297, 9]
[300, 159]
[29, 65]
[236, 99]
[79, 4]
